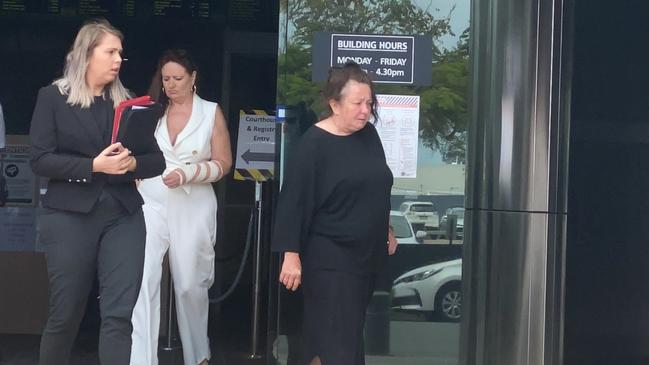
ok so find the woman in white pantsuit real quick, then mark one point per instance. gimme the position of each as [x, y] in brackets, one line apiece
[180, 211]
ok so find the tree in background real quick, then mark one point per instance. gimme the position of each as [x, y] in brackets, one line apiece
[444, 109]
[443, 113]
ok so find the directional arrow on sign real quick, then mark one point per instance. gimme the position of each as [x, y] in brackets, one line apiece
[257, 156]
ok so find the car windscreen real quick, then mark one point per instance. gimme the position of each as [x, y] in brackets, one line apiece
[401, 226]
[457, 211]
[422, 208]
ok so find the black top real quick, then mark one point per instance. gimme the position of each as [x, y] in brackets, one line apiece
[64, 141]
[103, 112]
[334, 207]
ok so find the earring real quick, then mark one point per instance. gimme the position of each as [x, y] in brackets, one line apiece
[194, 88]
[163, 89]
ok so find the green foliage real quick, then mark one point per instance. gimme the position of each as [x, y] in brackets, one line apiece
[443, 114]
[369, 16]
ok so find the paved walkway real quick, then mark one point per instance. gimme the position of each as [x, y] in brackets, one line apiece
[411, 343]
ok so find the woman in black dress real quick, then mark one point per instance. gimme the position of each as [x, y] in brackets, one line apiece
[332, 220]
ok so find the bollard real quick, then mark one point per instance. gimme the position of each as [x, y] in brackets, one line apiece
[451, 228]
[377, 324]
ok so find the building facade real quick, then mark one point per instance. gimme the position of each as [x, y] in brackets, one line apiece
[516, 131]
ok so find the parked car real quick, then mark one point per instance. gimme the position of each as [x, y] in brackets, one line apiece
[421, 215]
[403, 229]
[433, 289]
[459, 228]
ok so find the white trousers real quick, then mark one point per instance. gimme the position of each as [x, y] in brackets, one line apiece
[173, 225]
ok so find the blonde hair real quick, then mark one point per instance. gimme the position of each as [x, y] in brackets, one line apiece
[73, 82]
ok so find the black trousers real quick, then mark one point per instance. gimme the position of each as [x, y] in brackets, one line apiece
[334, 316]
[108, 242]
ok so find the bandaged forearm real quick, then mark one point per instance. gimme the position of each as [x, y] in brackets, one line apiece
[201, 172]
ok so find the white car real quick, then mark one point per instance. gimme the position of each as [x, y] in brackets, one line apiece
[422, 215]
[403, 230]
[433, 289]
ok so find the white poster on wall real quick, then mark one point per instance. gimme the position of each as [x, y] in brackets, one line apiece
[398, 127]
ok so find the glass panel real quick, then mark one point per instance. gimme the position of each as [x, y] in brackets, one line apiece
[402, 228]
[416, 305]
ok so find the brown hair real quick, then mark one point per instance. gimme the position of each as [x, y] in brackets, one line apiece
[179, 56]
[339, 76]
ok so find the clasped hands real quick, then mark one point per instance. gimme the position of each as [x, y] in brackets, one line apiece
[114, 160]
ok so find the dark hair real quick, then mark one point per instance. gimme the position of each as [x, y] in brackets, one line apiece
[338, 78]
[179, 56]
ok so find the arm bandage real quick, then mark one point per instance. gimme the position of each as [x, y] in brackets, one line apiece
[201, 172]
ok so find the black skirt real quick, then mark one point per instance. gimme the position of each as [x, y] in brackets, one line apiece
[334, 316]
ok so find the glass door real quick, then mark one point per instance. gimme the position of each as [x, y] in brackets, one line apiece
[414, 314]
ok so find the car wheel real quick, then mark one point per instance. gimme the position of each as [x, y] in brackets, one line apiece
[448, 303]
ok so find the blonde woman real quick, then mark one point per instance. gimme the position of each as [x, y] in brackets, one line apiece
[92, 221]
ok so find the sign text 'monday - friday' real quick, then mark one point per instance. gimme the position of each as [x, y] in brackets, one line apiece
[388, 61]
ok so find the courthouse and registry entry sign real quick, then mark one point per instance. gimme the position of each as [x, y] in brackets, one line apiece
[255, 159]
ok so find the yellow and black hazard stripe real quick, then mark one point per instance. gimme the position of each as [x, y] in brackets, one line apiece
[256, 112]
[253, 174]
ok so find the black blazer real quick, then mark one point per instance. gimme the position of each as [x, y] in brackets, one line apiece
[64, 141]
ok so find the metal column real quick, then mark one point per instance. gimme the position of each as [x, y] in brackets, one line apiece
[516, 184]
[256, 291]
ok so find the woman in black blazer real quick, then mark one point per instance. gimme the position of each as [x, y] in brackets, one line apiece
[92, 221]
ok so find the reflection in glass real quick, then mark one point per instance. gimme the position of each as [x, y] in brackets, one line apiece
[402, 228]
[420, 326]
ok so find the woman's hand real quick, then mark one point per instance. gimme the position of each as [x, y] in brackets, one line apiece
[173, 179]
[113, 160]
[132, 165]
[291, 274]
[392, 242]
